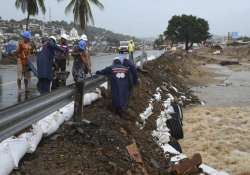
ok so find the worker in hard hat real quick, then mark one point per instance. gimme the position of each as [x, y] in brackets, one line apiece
[87, 53]
[131, 49]
[45, 62]
[61, 60]
[132, 67]
[23, 52]
[81, 65]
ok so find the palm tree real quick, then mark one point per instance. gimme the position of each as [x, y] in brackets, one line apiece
[31, 7]
[82, 11]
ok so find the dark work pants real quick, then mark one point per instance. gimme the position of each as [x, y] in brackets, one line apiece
[61, 63]
[44, 85]
[131, 57]
[61, 67]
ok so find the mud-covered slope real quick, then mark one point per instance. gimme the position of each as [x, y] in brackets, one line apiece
[102, 146]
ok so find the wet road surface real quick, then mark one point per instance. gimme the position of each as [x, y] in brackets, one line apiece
[8, 88]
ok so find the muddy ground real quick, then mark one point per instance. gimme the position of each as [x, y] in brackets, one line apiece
[220, 134]
[220, 130]
[101, 147]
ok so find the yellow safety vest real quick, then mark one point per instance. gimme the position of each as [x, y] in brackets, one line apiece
[131, 47]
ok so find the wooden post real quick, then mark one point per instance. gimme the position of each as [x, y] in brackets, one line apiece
[78, 106]
[0, 50]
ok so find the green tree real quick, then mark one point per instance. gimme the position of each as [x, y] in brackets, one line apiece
[187, 29]
[159, 41]
[82, 11]
[31, 7]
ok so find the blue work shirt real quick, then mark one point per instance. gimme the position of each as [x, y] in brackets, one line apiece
[132, 69]
[45, 59]
[120, 79]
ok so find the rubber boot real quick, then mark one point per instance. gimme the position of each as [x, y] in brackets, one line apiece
[19, 85]
[26, 84]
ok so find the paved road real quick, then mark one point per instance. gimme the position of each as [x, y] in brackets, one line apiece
[8, 88]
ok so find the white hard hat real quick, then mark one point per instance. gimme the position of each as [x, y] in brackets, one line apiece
[53, 37]
[84, 37]
[64, 36]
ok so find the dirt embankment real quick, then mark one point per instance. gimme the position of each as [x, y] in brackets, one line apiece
[101, 147]
[240, 53]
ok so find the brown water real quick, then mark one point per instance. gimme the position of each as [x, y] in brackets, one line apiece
[234, 89]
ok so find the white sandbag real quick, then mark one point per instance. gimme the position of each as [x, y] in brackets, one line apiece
[161, 123]
[170, 110]
[178, 158]
[90, 97]
[67, 111]
[59, 117]
[173, 49]
[157, 96]
[217, 52]
[150, 58]
[147, 113]
[169, 149]
[167, 103]
[18, 148]
[104, 85]
[36, 138]
[174, 88]
[138, 64]
[6, 160]
[164, 138]
[33, 138]
[171, 97]
[48, 125]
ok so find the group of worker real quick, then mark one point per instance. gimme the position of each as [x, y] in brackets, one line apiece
[54, 57]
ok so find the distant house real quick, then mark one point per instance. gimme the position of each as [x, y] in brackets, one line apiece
[73, 34]
[33, 27]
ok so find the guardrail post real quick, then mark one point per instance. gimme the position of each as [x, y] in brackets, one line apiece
[79, 97]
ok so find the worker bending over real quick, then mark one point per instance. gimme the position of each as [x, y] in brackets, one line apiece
[45, 63]
[121, 83]
[61, 60]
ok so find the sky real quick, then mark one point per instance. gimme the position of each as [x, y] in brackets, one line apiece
[149, 18]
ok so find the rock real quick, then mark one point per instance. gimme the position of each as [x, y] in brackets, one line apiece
[228, 62]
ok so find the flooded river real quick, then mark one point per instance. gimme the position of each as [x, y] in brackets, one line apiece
[234, 89]
[220, 129]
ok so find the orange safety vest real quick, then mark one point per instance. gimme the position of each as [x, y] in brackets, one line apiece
[23, 52]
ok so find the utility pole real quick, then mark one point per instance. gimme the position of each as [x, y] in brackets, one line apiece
[0, 51]
[49, 14]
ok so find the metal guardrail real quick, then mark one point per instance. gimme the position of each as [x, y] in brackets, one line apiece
[16, 118]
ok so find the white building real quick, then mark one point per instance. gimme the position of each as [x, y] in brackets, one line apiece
[73, 34]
